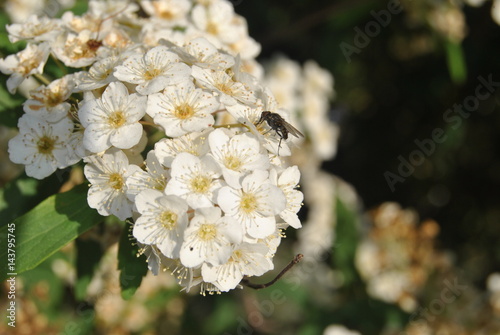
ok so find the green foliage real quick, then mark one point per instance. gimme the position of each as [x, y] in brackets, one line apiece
[456, 62]
[52, 224]
[132, 267]
[89, 253]
[347, 236]
[23, 193]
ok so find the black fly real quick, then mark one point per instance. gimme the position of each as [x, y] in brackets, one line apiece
[279, 125]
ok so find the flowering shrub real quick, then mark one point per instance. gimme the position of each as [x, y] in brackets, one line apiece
[216, 190]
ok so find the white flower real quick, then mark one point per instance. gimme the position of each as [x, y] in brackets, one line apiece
[23, 64]
[41, 146]
[108, 175]
[76, 149]
[162, 222]
[246, 47]
[339, 330]
[287, 182]
[202, 53]
[247, 259]
[134, 154]
[236, 155]
[251, 116]
[112, 9]
[182, 109]
[217, 19]
[154, 178]
[36, 28]
[209, 237]
[495, 11]
[153, 71]
[229, 92]
[194, 179]
[317, 79]
[153, 257]
[48, 102]
[194, 143]
[21, 10]
[255, 204]
[100, 74]
[74, 50]
[170, 11]
[112, 120]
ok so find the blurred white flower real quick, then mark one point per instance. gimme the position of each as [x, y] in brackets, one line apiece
[339, 330]
[24, 64]
[35, 28]
[49, 102]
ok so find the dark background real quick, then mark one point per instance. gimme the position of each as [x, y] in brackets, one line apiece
[388, 98]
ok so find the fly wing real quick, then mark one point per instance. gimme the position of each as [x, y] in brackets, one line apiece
[292, 130]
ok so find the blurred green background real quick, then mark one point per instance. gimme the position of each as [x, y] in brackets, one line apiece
[396, 90]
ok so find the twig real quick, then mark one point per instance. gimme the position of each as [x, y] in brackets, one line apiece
[294, 261]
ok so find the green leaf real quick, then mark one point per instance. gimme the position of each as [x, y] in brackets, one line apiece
[132, 268]
[24, 193]
[456, 62]
[45, 229]
[15, 196]
[89, 253]
[347, 236]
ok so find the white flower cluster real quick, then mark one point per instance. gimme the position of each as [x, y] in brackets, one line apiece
[213, 195]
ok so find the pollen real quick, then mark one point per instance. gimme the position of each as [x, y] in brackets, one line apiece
[200, 184]
[184, 111]
[160, 183]
[116, 119]
[46, 145]
[152, 73]
[237, 254]
[207, 232]
[232, 163]
[50, 98]
[225, 88]
[168, 219]
[116, 181]
[26, 65]
[212, 28]
[248, 203]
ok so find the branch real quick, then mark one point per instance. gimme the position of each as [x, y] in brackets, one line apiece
[294, 261]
